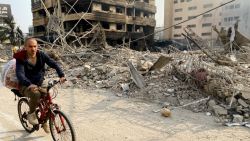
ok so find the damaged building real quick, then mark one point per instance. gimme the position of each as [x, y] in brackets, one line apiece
[122, 20]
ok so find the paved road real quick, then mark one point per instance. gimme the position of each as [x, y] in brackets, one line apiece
[101, 116]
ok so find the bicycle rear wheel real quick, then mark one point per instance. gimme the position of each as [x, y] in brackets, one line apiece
[60, 127]
[23, 109]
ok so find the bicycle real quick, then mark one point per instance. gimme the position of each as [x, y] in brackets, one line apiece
[59, 123]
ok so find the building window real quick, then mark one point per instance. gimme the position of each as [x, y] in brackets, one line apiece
[192, 8]
[119, 26]
[105, 25]
[231, 19]
[178, 10]
[175, 1]
[178, 18]
[191, 17]
[182, 0]
[206, 34]
[130, 12]
[207, 15]
[177, 27]
[177, 35]
[237, 5]
[236, 18]
[105, 7]
[130, 28]
[207, 25]
[147, 1]
[191, 26]
[119, 10]
[225, 19]
[208, 5]
[231, 6]
[189, 0]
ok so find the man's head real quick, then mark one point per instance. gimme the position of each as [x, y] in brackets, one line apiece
[31, 46]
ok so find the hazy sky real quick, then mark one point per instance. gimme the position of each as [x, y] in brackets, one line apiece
[21, 9]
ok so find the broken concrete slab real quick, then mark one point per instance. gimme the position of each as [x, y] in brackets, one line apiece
[243, 103]
[237, 118]
[161, 62]
[219, 110]
[136, 76]
[246, 93]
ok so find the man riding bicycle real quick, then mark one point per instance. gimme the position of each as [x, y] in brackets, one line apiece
[30, 70]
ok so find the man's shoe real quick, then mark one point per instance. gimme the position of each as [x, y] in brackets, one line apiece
[32, 118]
[46, 127]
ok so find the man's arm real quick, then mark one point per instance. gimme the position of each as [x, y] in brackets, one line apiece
[51, 63]
[23, 80]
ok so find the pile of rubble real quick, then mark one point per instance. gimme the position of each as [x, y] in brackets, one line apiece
[209, 79]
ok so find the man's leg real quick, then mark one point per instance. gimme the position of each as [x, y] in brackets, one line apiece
[34, 98]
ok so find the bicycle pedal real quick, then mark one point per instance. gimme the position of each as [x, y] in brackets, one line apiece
[36, 127]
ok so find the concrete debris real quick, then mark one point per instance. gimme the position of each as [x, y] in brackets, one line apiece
[219, 110]
[243, 103]
[137, 77]
[237, 118]
[161, 62]
[206, 80]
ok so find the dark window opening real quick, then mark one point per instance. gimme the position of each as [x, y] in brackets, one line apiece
[119, 26]
[38, 29]
[130, 12]
[146, 14]
[105, 25]
[42, 13]
[119, 10]
[130, 28]
[105, 7]
[147, 1]
[137, 13]
[138, 28]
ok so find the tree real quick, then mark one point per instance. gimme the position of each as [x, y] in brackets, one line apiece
[9, 31]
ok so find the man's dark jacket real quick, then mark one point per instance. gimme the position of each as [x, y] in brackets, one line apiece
[28, 74]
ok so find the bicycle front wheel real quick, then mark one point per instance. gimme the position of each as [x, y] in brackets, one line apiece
[60, 127]
[23, 109]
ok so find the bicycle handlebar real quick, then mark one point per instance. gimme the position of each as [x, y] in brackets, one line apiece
[52, 84]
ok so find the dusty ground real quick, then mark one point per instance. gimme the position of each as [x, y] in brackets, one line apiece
[101, 116]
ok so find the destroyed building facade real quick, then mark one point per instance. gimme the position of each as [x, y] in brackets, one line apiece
[122, 20]
[237, 11]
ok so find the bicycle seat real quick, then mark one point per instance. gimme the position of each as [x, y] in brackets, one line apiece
[16, 92]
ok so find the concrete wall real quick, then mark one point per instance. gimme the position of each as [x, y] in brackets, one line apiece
[168, 20]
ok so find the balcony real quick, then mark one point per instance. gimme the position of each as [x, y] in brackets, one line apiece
[112, 2]
[141, 21]
[143, 6]
[40, 21]
[98, 16]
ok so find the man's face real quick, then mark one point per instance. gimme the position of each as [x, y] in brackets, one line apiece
[31, 47]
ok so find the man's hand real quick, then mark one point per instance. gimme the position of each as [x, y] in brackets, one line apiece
[33, 88]
[62, 80]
